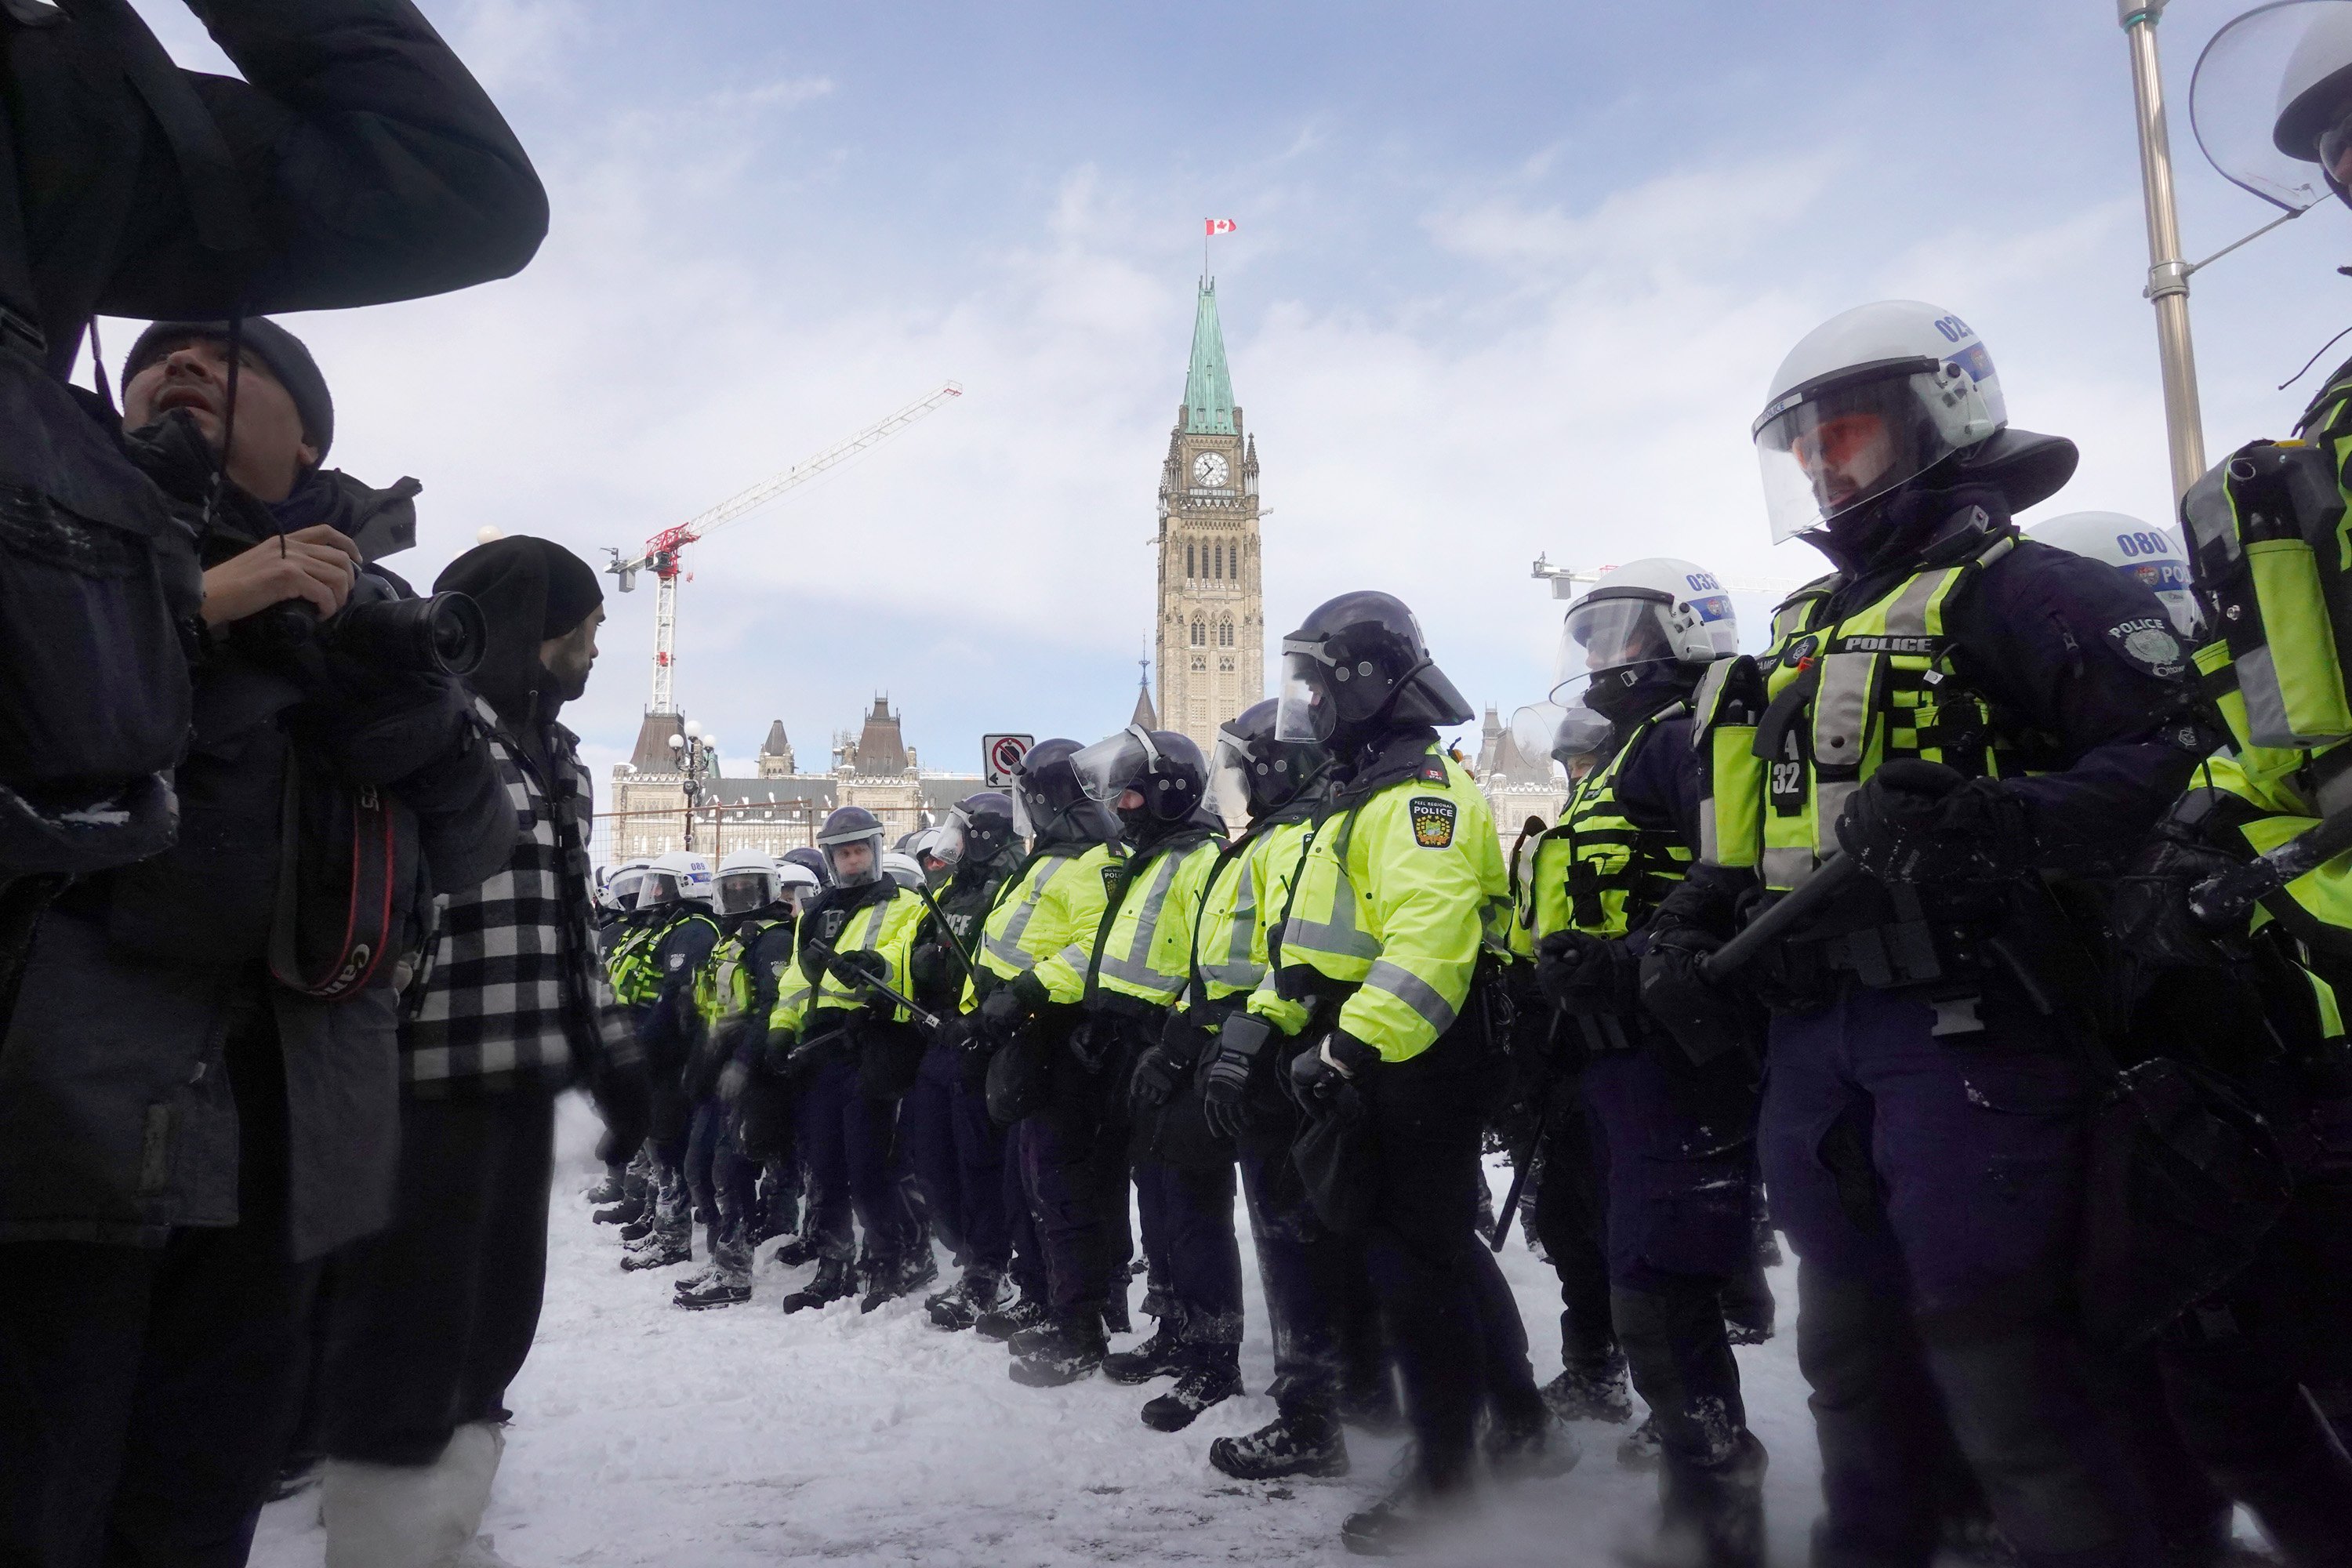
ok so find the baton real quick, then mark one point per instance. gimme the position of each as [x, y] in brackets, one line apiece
[1525, 1161]
[1828, 878]
[2226, 899]
[853, 975]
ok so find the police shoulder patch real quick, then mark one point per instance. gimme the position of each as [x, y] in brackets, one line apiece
[1434, 770]
[1433, 821]
[2149, 645]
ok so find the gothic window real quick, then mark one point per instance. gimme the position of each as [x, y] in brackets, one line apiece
[1225, 633]
[1200, 633]
[1217, 562]
[1189, 563]
[1199, 664]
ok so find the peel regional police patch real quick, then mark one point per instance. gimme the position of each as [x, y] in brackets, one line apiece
[1432, 822]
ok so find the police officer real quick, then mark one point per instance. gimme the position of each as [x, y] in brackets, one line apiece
[1963, 714]
[1127, 975]
[618, 921]
[654, 978]
[1673, 1129]
[838, 1034]
[736, 987]
[1313, 1277]
[1400, 902]
[763, 1105]
[1055, 899]
[957, 1152]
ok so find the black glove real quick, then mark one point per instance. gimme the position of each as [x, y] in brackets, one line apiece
[1005, 1009]
[778, 1050]
[2149, 920]
[1316, 1075]
[1587, 975]
[860, 964]
[1915, 821]
[1153, 1080]
[1706, 1019]
[624, 1099]
[1225, 1080]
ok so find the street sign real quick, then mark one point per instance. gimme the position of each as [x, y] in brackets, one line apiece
[1000, 755]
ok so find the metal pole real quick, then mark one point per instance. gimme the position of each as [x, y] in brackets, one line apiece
[2168, 270]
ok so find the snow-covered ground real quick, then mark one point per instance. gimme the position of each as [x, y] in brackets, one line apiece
[646, 1434]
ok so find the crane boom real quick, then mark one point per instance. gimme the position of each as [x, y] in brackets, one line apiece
[663, 552]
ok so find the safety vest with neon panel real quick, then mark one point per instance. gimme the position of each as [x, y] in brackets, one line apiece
[1038, 910]
[725, 987]
[1599, 872]
[806, 986]
[1146, 950]
[1783, 741]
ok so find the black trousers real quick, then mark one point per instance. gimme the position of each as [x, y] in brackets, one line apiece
[429, 1321]
[1426, 1114]
[145, 1393]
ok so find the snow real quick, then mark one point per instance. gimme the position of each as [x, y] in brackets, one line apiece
[647, 1434]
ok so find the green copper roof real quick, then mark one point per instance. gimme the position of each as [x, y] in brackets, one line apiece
[1208, 388]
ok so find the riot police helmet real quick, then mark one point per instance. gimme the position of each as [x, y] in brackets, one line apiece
[675, 878]
[1151, 780]
[623, 887]
[1874, 401]
[977, 829]
[748, 880]
[1645, 625]
[1251, 773]
[1358, 664]
[2147, 556]
[812, 861]
[796, 884]
[851, 842]
[903, 869]
[1049, 804]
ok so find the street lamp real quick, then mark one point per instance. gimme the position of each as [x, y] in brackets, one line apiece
[698, 763]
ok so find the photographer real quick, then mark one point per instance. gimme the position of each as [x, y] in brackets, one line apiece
[429, 1320]
[356, 163]
[198, 1088]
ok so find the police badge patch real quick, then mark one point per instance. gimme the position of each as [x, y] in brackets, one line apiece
[2149, 645]
[1432, 822]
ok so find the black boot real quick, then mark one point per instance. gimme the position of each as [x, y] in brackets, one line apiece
[1115, 1319]
[640, 1226]
[1536, 1447]
[796, 1250]
[833, 1280]
[964, 1303]
[1209, 1380]
[1161, 1355]
[610, 1189]
[1068, 1350]
[1404, 1520]
[1301, 1441]
[626, 1210]
[1016, 1317]
[715, 1287]
[1713, 1515]
[660, 1247]
[1597, 1391]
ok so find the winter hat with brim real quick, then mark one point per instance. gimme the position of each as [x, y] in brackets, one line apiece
[288, 361]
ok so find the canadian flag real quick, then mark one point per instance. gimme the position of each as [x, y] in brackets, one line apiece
[1220, 225]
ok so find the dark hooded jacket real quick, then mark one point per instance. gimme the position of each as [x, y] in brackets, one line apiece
[117, 1123]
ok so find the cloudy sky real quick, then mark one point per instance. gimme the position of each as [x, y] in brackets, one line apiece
[1508, 279]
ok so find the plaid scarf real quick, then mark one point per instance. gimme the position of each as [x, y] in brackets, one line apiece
[512, 990]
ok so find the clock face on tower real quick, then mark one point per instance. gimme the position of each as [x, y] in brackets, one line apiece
[1209, 469]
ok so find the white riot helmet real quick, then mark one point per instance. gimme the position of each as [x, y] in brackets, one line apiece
[747, 882]
[796, 884]
[903, 869]
[623, 886]
[1644, 613]
[1875, 397]
[674, 878]
[2147, 556]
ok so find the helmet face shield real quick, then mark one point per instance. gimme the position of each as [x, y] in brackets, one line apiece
[854, 858]
[2263, 107]
[659, 888]
[626, 888]
[1229, 780]
[1110, 768]
[1824, 455]
[1605, 633]
[1580, 733]
[741, 893]
[952, 839]
[1306, 714]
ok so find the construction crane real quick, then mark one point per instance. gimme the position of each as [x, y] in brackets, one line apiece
[664, 552]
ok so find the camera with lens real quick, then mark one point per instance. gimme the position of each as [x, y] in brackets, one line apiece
[382, 631]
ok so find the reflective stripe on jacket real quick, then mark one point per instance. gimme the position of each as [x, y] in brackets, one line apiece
[886, 926]
[1599, 872]
[1396, 897]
